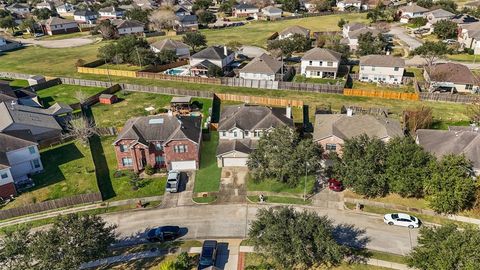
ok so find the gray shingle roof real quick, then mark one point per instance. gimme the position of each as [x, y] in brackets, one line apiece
[322, 54]
[187, 18]
[413, 8]
[295, 29]
[272, 9]
[382, 61]
[265, 64]
[212, 53]
[252, 117]
[245, 6]
[443, 142]
[168, 44]
[26, 115]
[9, 142]
[161, 128]
[84, 13]
[356, 26]
[57, 21]
[356, 33]
[244, 146]
[111, 9]
[119, 23]
[347, 127]
[441, 13]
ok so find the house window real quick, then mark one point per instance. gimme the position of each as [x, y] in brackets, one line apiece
[158, 147]
[31, 149]
[127, 161]
[235, 134]
[373, 68]
[469, 86]
[396, 68]
[320, 63]
[362, 68]
[310, 63]
[123, 148]
[159, 160]
[330, 64]
[224, 133]
[4, 175]
[319, 73]
[364, 78]
[246, 133]
[180, 148]
[255, 134]
[36, 163]
[331, 147]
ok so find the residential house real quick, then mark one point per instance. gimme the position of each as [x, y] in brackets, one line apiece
[331, 130]
[65, 8]
[145, 4]
[381, 69]
[21, 96]
[437, 15]
[56, 26]
[469, 36]
[320, 63]
[410, 11]
[345, 5]
[41, 123]
[161, 141]
[128, 27]
[457, 141]
[310, 6]
[186, 23]
[219, 56]
[85, 16]
[264, 67]
[241, 126]
[111, 12]
[45, 4]
[181, 49]
[463, 19]
[3, 41]
[351, 27]
[19, 8]
[269, 13]
[19, 153]
[354, 32]
[451, 77]
[244, 10]
[294, 30]
[182, 11]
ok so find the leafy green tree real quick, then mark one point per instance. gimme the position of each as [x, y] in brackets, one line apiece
[201, 5]
[448, 5]
[431, 52]
[296, 43]
[445, 29]
[283, 156]
[362, 166]
[296, 240]
[107, 30]
[15, 250]
[406, 167]
[370, 44]
[166, 57]
[72, 240]
[450, 188]
[206, 17]
[290, 5]
[425, 3]
[137, 14]
[4, 13]
[142, 56]
[128, 49]
[418, 22]
[8, 22]
[194, 40]
[334, 42]
[446, 247]
[227, 7]
[341, 23]
[28, 25]
[43, 13]
[183, 262]
[214, 71]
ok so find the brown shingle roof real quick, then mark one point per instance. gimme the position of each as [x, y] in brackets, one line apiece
[295, 29]
[413, 8]
[265, 64]
[252, 117]
[168, 44]
[452, 72]
[322, 54]
[381, 61]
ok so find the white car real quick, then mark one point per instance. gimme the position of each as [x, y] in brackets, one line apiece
[400, 219]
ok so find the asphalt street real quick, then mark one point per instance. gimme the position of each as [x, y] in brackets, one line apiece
[231, 221]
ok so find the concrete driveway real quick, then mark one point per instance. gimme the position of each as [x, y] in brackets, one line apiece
[232, 220]
[233, 186]
[58, 44]
[402, 34]
[184, 195]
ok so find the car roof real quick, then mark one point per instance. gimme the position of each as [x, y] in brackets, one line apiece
[172, 174]
[209, 243]
[168, 228]
[402, 215]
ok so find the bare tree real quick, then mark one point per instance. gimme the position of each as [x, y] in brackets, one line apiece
[162, 19]
[474, 113]
[81, 128]
[81, 96]
[418, 118]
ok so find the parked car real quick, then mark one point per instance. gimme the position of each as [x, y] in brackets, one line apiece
[421, 31]
[449, 41]
[335, 185]
[400, 219]
[208, 255]
[162, 234]
[173, 181]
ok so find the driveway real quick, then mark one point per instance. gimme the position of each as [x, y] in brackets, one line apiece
[402, 34]
[184, 195]
[232, 221]
[233, 186]
[57, 44]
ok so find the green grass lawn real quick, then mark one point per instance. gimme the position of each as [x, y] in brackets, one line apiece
[208, 199]
[65, 93]
[373, 86]
[415, 72]
[280, 199]
[301, 78]
[69, 171]
[207, 177]
[66, 36]
[121, 185]
[389, 257]
[275, 186]
[464, 57]
[121, 67]
[133, 104]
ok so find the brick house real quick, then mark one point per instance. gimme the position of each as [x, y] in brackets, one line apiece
[56, 26]
[162, 141]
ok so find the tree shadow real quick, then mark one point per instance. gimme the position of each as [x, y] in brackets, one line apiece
[355, 239]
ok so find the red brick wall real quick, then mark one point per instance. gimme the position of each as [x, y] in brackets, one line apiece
[7, 190]
[332, 140]
[191, 154]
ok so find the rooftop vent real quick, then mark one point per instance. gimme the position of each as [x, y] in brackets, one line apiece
[155, 121]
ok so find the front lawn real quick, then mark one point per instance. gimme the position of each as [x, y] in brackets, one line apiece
[207, 178]
[122, 187]
[65, 93]
[463, 57]
[69, 171]
[279, 199]
[271, 185]
[303, 79]
[133, 104]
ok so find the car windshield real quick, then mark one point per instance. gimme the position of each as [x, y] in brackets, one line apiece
[394, 216]
[205, 261]
[171, 184]
[413, 218]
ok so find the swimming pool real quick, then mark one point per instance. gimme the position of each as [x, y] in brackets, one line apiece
[176, 71]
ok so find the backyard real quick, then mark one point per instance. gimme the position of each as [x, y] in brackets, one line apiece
[303, 79]
[208, 176]
[15, 84]
[69, 170]
[65, 93]
[376, 87]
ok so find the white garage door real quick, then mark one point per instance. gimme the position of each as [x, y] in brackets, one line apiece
[235, 162]
[184, 165]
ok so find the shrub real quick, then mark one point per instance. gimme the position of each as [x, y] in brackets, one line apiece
[149, 170]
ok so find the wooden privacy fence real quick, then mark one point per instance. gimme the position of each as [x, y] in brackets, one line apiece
[161, 76]
[166, 90]
[449, 97]
[82, 82]
[95, 98]
[165, 67]
[112, 72]
[381, 94]
[239, 82]
[312, 87]
[277, 102]
[50, 205]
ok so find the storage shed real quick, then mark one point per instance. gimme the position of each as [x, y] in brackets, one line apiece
[107, 99]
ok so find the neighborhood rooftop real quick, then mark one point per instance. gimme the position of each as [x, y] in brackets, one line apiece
[322, 54]
[252, 117]
[263, 64]
[382, 61]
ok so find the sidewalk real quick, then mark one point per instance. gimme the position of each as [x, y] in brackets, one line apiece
[78, 209]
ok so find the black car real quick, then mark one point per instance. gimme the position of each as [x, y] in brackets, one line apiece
[162, 234]
[209, 254]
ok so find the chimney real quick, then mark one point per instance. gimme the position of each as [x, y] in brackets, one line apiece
[349, 112]
[225, 50]
[289, 111]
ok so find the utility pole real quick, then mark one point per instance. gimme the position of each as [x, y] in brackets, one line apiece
[108, 73]
[305, 183]
[138, 56]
